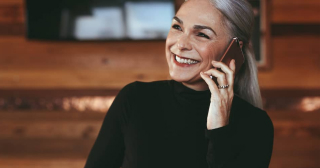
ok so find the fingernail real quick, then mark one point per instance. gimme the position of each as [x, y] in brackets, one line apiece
[201, 74]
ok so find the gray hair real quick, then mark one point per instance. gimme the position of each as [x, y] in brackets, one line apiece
[238, 18]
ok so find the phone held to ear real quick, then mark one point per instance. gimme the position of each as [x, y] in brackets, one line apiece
[233, 51]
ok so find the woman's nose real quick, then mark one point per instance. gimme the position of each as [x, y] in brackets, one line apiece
[183, 43]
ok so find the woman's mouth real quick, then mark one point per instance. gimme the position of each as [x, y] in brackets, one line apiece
[182, 60]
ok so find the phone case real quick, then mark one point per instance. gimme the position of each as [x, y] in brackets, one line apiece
[233, 51]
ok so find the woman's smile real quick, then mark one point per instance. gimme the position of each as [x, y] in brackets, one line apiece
[184, 61]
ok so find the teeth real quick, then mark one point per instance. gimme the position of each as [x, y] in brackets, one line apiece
[185, 61]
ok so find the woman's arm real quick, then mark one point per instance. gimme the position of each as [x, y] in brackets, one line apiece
[227, 148]
[108, 150]
[231, 148]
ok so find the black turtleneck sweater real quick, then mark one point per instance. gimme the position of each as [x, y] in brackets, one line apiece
[162, 124]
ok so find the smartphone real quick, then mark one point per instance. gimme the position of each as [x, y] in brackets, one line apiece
[233, 51]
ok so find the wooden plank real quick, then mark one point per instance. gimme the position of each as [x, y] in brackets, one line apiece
[295, 63]
[12, 18]
[56, 79]
[45, 129]
[12, 13]
[296, 11]
[11, 2]
[295, 152]
[57, 93]
[33, 64]
[18, 53]
[41, 163]
[46, 148]
[50, 125]
[17, 116]
[287, 160]
[12, 29]
[295, 29]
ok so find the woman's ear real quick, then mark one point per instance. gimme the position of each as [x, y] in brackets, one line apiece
[241, 44]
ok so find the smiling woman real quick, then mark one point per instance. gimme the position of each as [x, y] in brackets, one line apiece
[195, 36]
[190, 121]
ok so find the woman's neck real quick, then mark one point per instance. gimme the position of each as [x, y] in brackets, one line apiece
[200, 86]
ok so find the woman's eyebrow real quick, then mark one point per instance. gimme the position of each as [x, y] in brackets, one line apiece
[178, 20]
[197, 27]
[200, 27]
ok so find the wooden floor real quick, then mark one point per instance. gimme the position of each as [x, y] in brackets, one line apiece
[63, 140]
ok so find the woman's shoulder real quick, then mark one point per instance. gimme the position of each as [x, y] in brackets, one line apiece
[246, 112]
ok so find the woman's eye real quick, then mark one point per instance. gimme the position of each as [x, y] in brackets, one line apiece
[176, 27]
[203, 35]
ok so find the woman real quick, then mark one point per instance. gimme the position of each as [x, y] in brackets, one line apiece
[190, 122]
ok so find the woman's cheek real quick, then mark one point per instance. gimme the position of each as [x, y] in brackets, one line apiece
[213, 50]
[205, 50]
[172, 37]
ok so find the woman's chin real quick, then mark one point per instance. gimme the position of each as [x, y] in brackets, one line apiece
[180, 78]
[187, 78]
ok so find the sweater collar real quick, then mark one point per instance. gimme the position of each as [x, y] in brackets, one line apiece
[189, 93]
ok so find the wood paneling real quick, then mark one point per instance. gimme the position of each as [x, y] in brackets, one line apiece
[52, 140]
[33, 64]
[45, 148]
[12, 13]
[44, 64]
[41, 163]
[12, 18]
[295, 152]
[296, 30]
[20, 54]
[295, 11]
[296, 138]
[48, 135]
[12, 2]
[95, 100]
[296, 63]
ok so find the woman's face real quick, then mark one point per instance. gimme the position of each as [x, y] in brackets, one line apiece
[197, 36]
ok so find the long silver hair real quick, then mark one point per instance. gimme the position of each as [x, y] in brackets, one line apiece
[238, 18]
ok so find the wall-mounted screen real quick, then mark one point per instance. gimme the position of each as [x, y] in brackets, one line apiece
[99, 19]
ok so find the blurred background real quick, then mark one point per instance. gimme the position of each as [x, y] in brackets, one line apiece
[59, 75]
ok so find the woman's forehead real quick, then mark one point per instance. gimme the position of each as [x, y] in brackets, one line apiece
[199, 12]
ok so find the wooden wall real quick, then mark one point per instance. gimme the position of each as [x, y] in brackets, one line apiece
[38, 64]
[63, 139]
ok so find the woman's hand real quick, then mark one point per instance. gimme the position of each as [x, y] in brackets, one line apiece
[221, 99]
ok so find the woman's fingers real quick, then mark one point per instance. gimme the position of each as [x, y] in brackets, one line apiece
[212, 86]
[232, 65]
[229, 71]
[221, 77]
